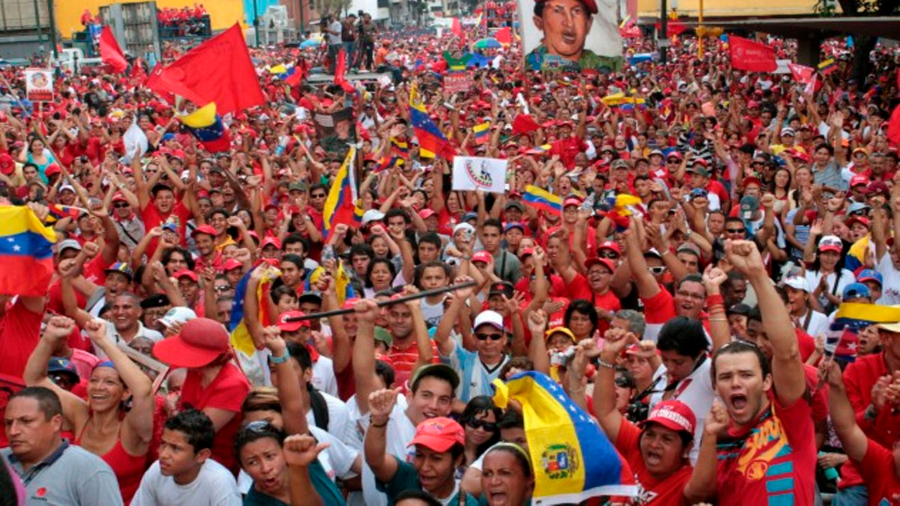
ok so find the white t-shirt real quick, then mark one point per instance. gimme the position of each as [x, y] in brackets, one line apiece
[323, 376]
[338, 418]
[432, 313]
[891, 285]
[847, 277]
[697, 392]
[818, 323]
[214, 486]
[335, 38]
[400, 432]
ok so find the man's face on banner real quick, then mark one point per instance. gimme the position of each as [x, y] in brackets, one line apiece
[565, 24]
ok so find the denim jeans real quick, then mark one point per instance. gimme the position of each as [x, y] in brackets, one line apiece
[851, 496]
[333, 50]
[348, 53]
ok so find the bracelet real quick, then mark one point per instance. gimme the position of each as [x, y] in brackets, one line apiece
[379, 426]
[607, 365]
[283, 358]
[718, 319]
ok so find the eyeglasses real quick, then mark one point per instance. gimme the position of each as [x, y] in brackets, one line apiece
[658, 270]
[755, 162]
[481, 424]
[222, 288]
[485, 337]
[736, 230]
[318, 196]
[609, 254]
[121, 205]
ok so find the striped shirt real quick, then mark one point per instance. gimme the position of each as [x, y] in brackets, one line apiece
[475, 377]
[403, 360]
[830, 176]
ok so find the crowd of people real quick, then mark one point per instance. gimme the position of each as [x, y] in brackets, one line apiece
[171, 360]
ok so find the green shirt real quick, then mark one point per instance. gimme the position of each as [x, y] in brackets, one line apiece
[457, 63]
[328, 491]
[407, 478]
[538, 59]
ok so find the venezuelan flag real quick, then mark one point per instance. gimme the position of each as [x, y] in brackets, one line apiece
[827, 66]
[482, 132]
[340, 205]
[26, 253]
[573, 459]
[240, 334]
[431, 141]
[59, 212]
[207, 127]
[841, 339]
[540, 150]
[542, 199]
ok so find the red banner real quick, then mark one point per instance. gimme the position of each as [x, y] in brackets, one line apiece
[751, 56]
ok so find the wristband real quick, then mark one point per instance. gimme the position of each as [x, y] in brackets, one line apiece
[607, 365]
[282, 359]
[714, 299]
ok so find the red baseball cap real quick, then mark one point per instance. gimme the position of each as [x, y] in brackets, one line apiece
[51, 169]
[204, 229]
[859, 219]
[525, 252]
[674, 415]
[482, 256]
[231, 264]
[859, 180]
[610, 245]
[270, 241]
[118, 197]
[439, 434]
[603, 261]
[572, 201]
[185, 273]
[752, 180]
[7, 164]
[200, 342]
[287, 323]
[426, 213]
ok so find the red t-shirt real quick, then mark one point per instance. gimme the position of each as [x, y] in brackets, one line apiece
[153, 218]
[404, 360]
[19, 335]
[881, 480]
[227, 391]
[859, 377]
[771, 462]
[669, 491]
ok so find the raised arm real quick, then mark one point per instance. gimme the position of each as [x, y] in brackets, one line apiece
[615, 340]
[293, 407]
[843, 418]
[300, 451]
[364, 353]
[384, 465]
[646, 283]
[787, 368]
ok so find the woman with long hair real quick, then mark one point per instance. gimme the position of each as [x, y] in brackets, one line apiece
[116, 420]
[479, 420]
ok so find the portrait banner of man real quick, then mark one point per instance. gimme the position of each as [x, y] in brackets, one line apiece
[336, 131]
[571, 35]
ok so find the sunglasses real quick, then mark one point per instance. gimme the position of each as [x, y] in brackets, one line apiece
[223, 288]
[736, 230]
[481, 424]
[318, 196]
[758, 163]
[121, 205]
[485, 337]
[611, 255]
[658, 270]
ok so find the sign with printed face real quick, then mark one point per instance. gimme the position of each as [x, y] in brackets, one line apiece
[39, 84]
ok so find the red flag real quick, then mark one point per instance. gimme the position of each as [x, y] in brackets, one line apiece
[524, 123]
[219, 70]
[110, 52]
[457, 30]
[340, 70]
[801, 73]
[893, 131]
[751, 55]
[504, 36]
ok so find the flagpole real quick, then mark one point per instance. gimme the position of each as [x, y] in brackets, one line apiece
[391, 302]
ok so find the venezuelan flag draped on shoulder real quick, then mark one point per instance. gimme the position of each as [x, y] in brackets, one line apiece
[340, 205]
[572, 458]
[26, 252]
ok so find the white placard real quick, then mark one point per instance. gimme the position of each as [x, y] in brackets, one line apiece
[39, 84]
[475, 173]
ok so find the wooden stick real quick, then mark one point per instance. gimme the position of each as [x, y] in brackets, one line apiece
[391, 302]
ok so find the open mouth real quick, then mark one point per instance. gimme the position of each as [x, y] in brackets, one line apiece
[568, 38]
[738, 402]
[498, 497]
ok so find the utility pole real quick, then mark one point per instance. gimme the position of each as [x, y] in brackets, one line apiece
[37, 25]
[663, 41]
[52, 17]
[302, 27]
[256, 23]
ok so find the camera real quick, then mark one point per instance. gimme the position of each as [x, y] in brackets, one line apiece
[638, 411]
[562, 358]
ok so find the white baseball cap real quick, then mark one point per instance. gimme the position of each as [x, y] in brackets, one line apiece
[178, 314]
[797, 283]
[489, 317]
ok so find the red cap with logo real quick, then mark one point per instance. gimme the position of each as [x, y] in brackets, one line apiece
[287, 323]
[674, 415]
[610, 245]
